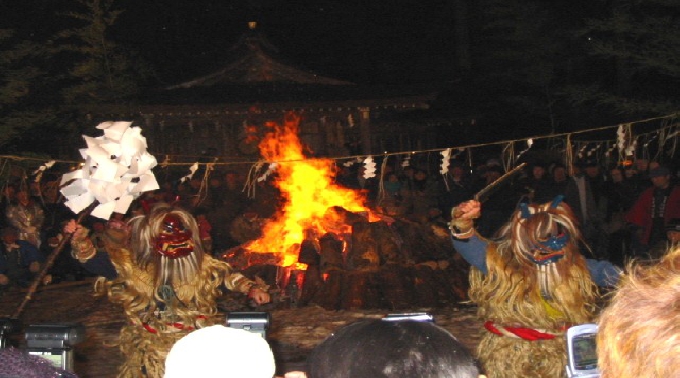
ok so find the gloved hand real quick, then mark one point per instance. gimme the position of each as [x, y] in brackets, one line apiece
[463, 216]
[82, 248]
[78, 231]
[259, 296]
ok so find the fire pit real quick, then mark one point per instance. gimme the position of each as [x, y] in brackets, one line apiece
[341, 254]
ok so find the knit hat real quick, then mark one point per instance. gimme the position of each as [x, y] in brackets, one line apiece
[219, 351]
[493, 162]
[673, 225]
[659, 171]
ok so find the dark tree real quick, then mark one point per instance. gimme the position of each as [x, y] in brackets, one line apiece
[638, 41]
[102, 70]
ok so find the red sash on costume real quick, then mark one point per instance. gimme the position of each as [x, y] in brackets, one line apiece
[179, 326]
[523, 333]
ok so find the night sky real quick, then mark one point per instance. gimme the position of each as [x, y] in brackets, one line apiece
[359, 41]
[366, 42]
[522, 53]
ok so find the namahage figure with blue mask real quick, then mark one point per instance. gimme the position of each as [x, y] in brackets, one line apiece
[530, 283]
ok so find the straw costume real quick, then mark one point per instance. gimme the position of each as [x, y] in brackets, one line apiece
[165, 283]
[530, 285]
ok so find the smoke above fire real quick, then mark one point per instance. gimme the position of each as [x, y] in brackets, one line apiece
[308, 192]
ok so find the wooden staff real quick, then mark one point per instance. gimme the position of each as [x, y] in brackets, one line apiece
[488, 190]
[50, 261]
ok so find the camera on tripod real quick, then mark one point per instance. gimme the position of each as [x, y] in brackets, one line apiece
[255, 322]
[8, 326]
[53, 341]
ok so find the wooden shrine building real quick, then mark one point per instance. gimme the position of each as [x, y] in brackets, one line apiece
[219, 113]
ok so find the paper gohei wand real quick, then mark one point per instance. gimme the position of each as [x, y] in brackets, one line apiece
[117, 169]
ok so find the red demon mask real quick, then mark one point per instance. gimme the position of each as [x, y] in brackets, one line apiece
[174, 240]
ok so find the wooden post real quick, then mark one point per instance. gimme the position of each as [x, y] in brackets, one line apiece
[396, 284]
[359, 291]
[330, 293]
[330, 250]
[364, 254]
[365, 130]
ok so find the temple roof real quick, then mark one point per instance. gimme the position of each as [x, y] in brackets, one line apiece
[255, 63]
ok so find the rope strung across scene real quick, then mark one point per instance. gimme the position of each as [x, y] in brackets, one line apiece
[568, 136]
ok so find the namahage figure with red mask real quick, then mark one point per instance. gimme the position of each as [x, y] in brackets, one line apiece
[530, 283]
[163, 279]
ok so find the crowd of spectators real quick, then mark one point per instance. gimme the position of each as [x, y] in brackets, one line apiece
[35, 215]
[623, 211]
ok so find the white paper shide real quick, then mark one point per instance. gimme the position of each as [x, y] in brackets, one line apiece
[117, 169]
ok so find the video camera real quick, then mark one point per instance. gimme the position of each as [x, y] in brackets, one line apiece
[8, 326]
[413, 316]
[255, 322]
[53, 342]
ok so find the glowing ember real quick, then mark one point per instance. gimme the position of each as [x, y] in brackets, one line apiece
[308, 193]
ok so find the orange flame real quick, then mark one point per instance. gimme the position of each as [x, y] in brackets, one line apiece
[307, 189]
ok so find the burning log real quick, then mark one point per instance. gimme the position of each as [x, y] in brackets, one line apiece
[240, 258]
[312, 284]
[373, 244]
[329, 295]
[388, 242]
[337, 218]
[360, 290]
[309, 254]
[399, 290]
[394, 264]
[423, 242]
[365, 252]
[358, 262]
[331, 257]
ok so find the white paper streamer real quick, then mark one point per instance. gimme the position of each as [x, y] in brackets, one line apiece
[369, 164]
[39, 172]
[593, 150]
[117, 169]
[530, 142]
[581, 151]
[446, 155]
[610, 150]
[270, 170]
[625, 141]
[192, 170]
[350, 163]
[621, 138]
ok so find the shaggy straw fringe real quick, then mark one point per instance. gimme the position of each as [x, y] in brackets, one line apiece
[509, 294]
[190, 287]
[194, 307]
